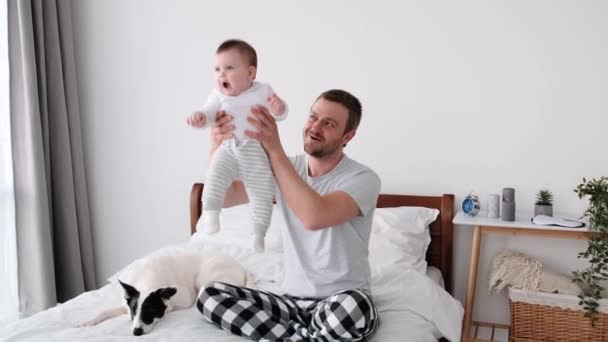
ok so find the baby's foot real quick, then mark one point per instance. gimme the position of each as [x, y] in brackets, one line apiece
[258, 243]
[210, 221]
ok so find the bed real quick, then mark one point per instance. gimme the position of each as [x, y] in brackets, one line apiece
[414, 302]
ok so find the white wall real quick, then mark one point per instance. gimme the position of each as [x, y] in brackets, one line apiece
[457, 97]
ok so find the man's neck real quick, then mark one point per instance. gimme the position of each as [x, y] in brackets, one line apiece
[320, 166]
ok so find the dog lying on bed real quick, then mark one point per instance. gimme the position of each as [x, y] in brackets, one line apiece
[155, 286]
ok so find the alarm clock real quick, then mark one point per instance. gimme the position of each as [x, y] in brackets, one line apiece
[471, 205]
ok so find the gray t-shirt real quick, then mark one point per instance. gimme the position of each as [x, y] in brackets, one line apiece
[319, 263]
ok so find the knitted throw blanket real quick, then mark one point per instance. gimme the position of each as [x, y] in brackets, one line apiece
[510, 268]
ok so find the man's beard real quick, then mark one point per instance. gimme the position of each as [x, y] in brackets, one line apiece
[322, 151]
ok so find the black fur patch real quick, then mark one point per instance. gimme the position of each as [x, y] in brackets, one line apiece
[154, 305]
[132, 297]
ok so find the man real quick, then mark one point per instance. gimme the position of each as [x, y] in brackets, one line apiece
[328, 201]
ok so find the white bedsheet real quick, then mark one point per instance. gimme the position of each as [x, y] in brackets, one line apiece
[412, 306]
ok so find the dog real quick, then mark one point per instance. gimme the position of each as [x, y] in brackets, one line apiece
[155, 286]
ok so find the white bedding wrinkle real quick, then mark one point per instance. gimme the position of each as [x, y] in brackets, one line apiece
[409, 303]
[398, 290]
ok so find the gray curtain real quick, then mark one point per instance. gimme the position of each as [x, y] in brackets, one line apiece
[54, 243]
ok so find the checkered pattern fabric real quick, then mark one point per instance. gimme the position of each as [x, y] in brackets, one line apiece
[263, 316]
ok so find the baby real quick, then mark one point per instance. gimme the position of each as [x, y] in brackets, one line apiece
[236, 93]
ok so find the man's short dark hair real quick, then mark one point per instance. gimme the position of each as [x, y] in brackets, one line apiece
[349, 101]
[243, 48]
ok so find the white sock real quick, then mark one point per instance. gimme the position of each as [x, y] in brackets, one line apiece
[258, 243]
[199, 225]
[210, 221]
[259, 232]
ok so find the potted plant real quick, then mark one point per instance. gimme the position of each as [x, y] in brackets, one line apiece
[544, 203]
[597, 248]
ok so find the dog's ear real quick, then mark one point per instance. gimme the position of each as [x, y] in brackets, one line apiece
[130, 291]
[166, 292]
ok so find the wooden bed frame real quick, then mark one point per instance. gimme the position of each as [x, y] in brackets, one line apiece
[439, 253]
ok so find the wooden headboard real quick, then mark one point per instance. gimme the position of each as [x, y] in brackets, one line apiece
[439, 253]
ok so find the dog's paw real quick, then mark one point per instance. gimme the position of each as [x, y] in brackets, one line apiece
[88, 323]
[92, 322]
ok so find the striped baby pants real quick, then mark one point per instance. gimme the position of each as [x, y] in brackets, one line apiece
[247, 160]
[262, 316]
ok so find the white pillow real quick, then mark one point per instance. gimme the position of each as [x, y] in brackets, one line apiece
[236, 231]
[401, 236]
[237, 221]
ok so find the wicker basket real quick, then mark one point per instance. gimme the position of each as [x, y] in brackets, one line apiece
[548, 317]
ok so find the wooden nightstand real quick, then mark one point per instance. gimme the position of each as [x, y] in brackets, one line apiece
[521, 226]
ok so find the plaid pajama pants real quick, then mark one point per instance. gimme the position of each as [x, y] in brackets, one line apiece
[263, 316]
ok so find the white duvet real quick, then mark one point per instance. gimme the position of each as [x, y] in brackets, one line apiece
[412, 307]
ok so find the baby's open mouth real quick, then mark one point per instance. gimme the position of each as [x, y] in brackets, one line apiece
[226, 85]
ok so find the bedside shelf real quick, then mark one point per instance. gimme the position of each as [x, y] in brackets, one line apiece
[521, 226]
[522, 221]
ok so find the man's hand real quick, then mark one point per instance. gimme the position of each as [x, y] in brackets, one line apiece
[268, 133]
[221, 130]
[197, 119]
[277, 105]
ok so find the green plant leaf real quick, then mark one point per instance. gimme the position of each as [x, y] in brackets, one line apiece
[597, 247]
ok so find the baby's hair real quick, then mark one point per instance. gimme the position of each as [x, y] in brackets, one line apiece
[242, 47]
[349, 101]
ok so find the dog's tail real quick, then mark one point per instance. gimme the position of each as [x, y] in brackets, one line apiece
[249, 281]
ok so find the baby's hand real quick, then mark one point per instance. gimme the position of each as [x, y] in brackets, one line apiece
[277, 106]
[197, 119]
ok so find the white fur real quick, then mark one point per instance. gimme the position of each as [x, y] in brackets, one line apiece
[188, 273]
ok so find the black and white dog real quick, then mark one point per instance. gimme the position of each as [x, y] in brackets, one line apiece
[155, 286]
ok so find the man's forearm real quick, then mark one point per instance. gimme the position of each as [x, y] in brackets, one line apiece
[301, 198]
[314, 210]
